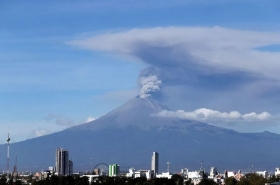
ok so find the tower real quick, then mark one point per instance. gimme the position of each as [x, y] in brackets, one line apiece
[154, 165]
[8, 156]
[168, 166]
[62, 162]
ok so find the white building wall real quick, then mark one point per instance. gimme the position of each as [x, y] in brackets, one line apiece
[143, 173]
[194, 175]
[184, 172]
[213, 171]
[263, 173]
[131, 172]
[231, 174]
[164, 175]
[154, 163]
[277, 171]
[90, 177]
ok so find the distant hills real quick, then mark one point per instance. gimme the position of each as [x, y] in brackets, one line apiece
[129, 134]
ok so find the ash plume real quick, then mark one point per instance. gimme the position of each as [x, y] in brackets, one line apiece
[150, 85]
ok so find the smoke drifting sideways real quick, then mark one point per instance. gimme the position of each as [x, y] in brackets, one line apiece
[199, 67]
[150, 85]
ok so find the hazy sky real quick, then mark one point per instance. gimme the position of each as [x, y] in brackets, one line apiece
[65, 63]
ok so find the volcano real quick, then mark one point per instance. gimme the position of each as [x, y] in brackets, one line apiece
[129, 134]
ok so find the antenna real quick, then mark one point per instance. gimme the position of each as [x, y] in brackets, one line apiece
[168, 166]
[8, 156]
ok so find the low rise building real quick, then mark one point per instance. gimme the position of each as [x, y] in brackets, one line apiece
[131, 173]
[91, 178]
[213, 171]
[277, 171]
[144, 173]
[195, 174]
[164, 175]
[262, 173]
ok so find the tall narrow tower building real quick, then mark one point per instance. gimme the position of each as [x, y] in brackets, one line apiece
[62, 161]
[155, 162]
[8, 156]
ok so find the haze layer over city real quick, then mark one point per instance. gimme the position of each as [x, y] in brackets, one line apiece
[114, 81]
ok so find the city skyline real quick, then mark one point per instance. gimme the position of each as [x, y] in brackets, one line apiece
[67, 63]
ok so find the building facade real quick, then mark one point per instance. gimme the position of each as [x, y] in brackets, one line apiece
[154, 165]
[62, 162]
[114, 170]
[70, 167]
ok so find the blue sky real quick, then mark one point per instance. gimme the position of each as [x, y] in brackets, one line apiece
[63, 63]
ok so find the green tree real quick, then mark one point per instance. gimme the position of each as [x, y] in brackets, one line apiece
[252, 179]
[230, 181]
[206, 181]
[54, 180]
[81, 180]
[188, 182]
[273, 178]
[18, 182]
[3, 180]
[149, 182]
[178, 179]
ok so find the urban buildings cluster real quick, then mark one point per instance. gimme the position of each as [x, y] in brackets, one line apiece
[64, 167]
[194, 176]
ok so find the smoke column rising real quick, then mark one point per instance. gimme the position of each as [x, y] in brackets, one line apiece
[150, 85]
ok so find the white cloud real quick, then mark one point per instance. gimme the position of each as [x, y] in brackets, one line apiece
[39, 132]
[150, 85]
[204, 114]
[89, 119]
[64, 121]
[215, 65]
[220, 48]
[61, 120]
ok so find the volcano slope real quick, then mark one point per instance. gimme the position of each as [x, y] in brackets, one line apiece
[129, 134]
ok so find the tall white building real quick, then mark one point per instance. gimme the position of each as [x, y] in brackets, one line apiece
[213, 171]
[62, 161]
[155, 162]
[277, 171]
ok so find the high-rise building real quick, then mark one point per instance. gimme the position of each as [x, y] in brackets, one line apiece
[62, 161]
[213, 171]
[114, 170]
[70, 167]
[155, 162]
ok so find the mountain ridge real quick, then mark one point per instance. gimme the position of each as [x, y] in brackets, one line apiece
[129, 134]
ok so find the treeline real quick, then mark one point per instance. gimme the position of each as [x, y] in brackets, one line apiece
[252, 179]
[3, 181]
[248, 179]
[104, 180]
